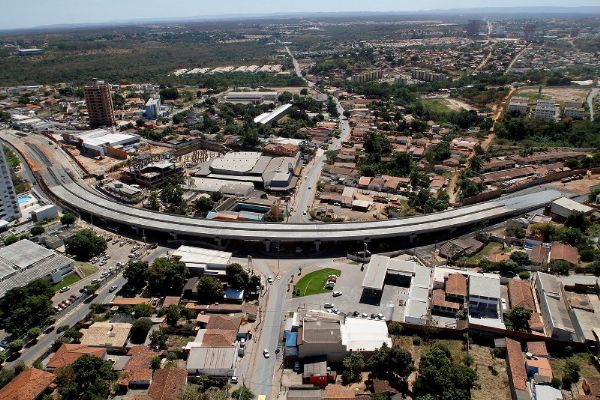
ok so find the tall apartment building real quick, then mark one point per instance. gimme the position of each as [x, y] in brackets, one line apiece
[518, 105]
[428, 76]
[152, 109]
[368, 76]
[545, 109]
[9, 208]
[98, 100]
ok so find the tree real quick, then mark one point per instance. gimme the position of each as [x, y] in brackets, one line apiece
[169, 94]
[204, 204]
[26, 307]
[354, 364]
[16, 345]
[570, 374]
[85, 244]
[34, 332]
[136, 273]
[68, 219]
[140, 329]
[560, 267]
[166, 276]
[2, 357]
[520, 257]
[304, 92]
[391, 363]
[172, 315]
[88, 378]
[216, 196]
[142, 310]
[210, 289]
[158, 339]
[236, 276]
[518, 318]
[73, 334]
[153, 201]
[578, 220]
[440, 378]
[242, 393]
[10, 239]
[155, 363]
[37, 230]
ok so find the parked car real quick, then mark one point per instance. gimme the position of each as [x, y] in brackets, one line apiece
[270, 279]
[64, 289]
[328, 305]
[113, 288]
[266, 353]
[337, 293]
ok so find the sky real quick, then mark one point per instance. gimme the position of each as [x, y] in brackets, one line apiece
[33, 13]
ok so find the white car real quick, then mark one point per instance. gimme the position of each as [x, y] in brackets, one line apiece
[270, 279]
[266, 353]
[337, 293]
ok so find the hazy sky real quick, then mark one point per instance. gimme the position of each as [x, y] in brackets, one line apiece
[31, 13]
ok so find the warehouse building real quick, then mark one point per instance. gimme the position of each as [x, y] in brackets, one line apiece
[203, 261]
[275, 115]
[251, 97]
[25, 261]
[554, 306]
[96, 142]
[565, 207]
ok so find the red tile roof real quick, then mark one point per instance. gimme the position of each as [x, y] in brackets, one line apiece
[28, 385]
[438, 298]
[539, 254]
[561, 251]
[227, 322]
[171, 300]
[456, 285]
[167, 384]
[538, 349]
[67, 354]
[219, 338]
[520, 294]
[591, 385]
[338, 392]
[138, 367]
[516, 364]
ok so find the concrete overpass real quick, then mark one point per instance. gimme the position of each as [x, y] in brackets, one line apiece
[87, 200]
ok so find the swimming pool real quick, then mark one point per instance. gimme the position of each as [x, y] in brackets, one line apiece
[24, 198]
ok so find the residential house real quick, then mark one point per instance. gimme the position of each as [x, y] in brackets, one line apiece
[517, 372]
[554, 307]
[31, 384]
[68, 353]
[167, 384]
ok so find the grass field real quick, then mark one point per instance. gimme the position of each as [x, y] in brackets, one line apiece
[314, 282]
[493, 378]
[584, 360]
[69, 280]
[437, 105]
[86, 269]
[488, 250]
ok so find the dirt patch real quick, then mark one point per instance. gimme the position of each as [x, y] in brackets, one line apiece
[560, 94]
[580, 186]
[492, 374]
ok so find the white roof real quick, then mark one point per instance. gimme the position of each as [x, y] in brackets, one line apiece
[359, 334]
[484, 286]
[572, 205]
[265, 118]
[197, 256]
[415, 308]
[376, 271]
[242, 161]
[545, 392]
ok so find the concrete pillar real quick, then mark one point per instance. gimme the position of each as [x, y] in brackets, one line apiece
[412, 237]
[218, 240]
[173, 235]
[317, 245]
[267, 245]
[136, 230]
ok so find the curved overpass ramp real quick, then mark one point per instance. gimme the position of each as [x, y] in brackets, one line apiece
[86, 200]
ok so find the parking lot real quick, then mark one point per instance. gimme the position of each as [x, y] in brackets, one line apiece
[349, 283]
[118, 253]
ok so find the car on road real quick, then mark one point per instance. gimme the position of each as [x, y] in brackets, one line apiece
[64, 289]
[113, 288]
[266, 353]
[304, 212]
[270, 279]
[337, 293]
[328, 305]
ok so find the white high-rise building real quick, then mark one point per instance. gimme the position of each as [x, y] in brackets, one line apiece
[9, 208]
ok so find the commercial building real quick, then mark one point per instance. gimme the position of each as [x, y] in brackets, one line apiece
[251, 97]
[99, 142]
[321, 336]
[554, 307]
[212, 361]
[154, 174]
[200, 261]
[273, 116]
[49, 211]
[25, 261]
[518, 105]
[359, 334]
[565, 207]
[152, 108]
[9, 207]
[30, 52]
[98, 100]
[545, 109]
[474, 27]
